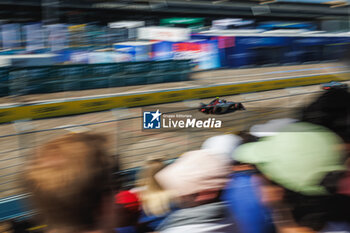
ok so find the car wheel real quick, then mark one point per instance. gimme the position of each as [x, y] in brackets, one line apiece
[218, 110]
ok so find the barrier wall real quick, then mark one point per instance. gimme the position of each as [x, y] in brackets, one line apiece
[94, 104]
[49, 79]
[258, 49]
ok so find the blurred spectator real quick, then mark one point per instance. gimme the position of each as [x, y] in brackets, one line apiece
[223, 145]
[294, 165]
[331, 110]
[156, 203]
[196, 180]
[241, 192]
[270, 128]
[155, 200]
[128, 208]
[70, 182]
[247, 137]
[128, 200]
[148, 194]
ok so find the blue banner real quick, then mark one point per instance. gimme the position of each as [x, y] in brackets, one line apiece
[34, 35]
[10, 34]
[57, 36]
[286, 25]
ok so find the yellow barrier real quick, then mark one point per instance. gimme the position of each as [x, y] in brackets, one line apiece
[63, 108]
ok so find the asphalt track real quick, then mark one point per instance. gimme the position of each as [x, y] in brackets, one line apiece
[202, 85]
[123, 126]
[134, 146]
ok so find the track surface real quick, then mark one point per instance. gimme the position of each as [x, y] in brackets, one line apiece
[134, 145]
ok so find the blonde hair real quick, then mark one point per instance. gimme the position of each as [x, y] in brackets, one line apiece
[155, 200]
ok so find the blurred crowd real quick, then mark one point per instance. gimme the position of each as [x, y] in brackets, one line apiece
[284, 176]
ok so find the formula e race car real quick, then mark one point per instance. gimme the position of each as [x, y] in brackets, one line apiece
[220, 106]
[334, 85]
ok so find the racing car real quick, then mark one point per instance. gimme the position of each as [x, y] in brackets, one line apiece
[334, 85]
[220, 106]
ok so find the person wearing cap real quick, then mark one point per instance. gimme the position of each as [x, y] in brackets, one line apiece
[332, 110]
[295, 164]
[240, 192]
[270, 128]
[196, 180]
[223, 145]
[70, 179]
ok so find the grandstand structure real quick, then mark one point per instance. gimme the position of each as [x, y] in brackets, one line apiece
[94, 10]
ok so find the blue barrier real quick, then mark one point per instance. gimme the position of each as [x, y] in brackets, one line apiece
[49, 79]
[15, 207]
[259, 49]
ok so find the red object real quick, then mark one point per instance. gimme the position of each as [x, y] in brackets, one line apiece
[214, 103]
[225, 41]
[186, 46]
[129, 200]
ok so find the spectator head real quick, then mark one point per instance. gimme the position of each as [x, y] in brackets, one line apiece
[297, 158]
[70, 179]
[196, 178]
[331, 110]
[155, 200]
[223, 145]
[295, 165]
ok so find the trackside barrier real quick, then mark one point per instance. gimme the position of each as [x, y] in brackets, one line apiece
[58, 78]
[14, 207]
[101, 103]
